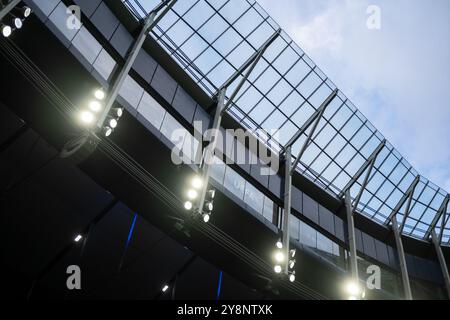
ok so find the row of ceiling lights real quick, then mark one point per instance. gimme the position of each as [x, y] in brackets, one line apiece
[88, 116]
[14, 20]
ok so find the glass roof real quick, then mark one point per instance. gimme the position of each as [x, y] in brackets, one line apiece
[212, 39]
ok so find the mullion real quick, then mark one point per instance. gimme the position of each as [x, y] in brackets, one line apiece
[276, 107]
[341, 168]
[324, 152]
[378, 170]
[415, 202]
[383, 202]
[386, 178]
[427, 207]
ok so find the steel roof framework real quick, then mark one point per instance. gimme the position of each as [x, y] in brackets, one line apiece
[211, 40]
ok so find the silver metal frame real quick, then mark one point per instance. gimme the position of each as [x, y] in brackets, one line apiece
[436, 243]
[7, 9]
[398, 238]
[441, 212]
[150, 21]
[351, 237]
[313, 117]
[368, 164]
[221, 108]
[401, 259]
[407, 196]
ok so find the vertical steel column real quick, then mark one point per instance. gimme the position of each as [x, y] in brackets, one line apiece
[402, 260]
[7, 9]
[351, 237]
[209, 151]
[287, 204]
[149, 23]
[442, 262]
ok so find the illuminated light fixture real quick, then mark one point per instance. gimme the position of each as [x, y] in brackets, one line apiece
[292, 253]
[165, 288]
[113, 123]
[211, 194]
[353, 289]
[277, 269]
[107, 131]
[279, 256]
[192, 194]
[18, 23]
[25, 11]
[117, 112]
[209, 206]
[6, 30]
[279, 244]
[352, 298]
[87, 117]
[292, 277]
[291, 264]
[206, 218]
[188, 205]
[100, 94]
[95, 106]
[78, 238]
[197, 182]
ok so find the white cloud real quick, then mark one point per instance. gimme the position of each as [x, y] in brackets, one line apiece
[397, 76]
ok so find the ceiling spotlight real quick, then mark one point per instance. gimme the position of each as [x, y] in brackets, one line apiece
[87, 117]
[107, 131]
[78, 238]
[192, 194]
[292, 277]
[95, 106]
[100, 94]
[197, 182]
[353, 289]
[209, 206]
[292, 253]
[117, 112]
[206, 218]
[279, 256]
[211, 194]
[26, 11]
[279, 244]
[165, 288]
[17, 23]
[188, 205]
[6, 30]
[277, 269]
[113, 123]
[291, 264]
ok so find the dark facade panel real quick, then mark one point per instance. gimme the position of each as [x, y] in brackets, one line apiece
[411, 265]
[382, 252]
[184, 104]
[202, 117]
[164, 84]
[88, 6]
[339, 230]
[103, 19]
[275, 186]
[145, 66]
[393, 257]
[43, 8]
[121, 40]
[369, 245]
[255, 172]
[310, 209]
[297, 199]
[326, 219]
[359, 241]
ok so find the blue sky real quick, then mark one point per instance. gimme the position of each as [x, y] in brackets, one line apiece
[398, 76]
